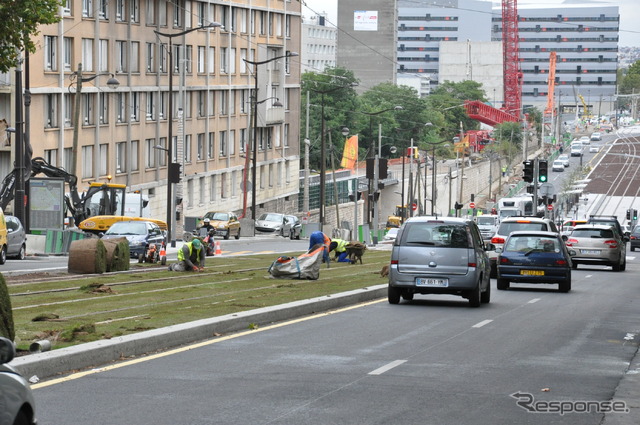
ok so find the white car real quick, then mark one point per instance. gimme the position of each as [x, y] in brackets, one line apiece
[585, 140]
[576, 150]
[594, 149]
[596, 136]
[565, 159]
[391, 234]
[558, 165]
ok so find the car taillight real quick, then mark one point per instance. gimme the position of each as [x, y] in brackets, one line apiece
[561, 262]
[504, 260]
[633, 238]
[571, 242]
[471, 265]
[612, 243]
[394, 261]
[497, 239]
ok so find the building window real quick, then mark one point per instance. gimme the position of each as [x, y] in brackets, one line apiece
[243, 140]
[87, 162]
[135, 148]
[50, 49]
[121, 56]
[201, 13]
[188, 59]
[232, 142]
[278, 25]
[103, 99]
[287, 63]
[232, 102]
[103, 55]
[135, 107]
[243, 63]
[202, 106]
[213, 181]
[135, 56]
[51, 156]
[201, 59]
[211, 145]
[224, 59]
[224, 102]
[202, 187]
[87, 8]
[150, 13]
[178, 7]
[223, 185]
[223, 143]
[87, 54]
[67, 56]
[187, 148]
[151, 57]
[232, 60]
[121, 157]
[51, 111]
[87, 112]
[68, 111]
[104, 159]
[134, 11]
[211, 102]
[151, 153]
[200, 146]
[104, 9]
[286, 135]
[287, 28]
[151, 106]
[212, 60]
[163, 155]
[243, 21]
[121, 11]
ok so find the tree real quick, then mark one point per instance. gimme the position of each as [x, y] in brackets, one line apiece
[449, 98]
[19, 21]
[340, 102]
[6, 313]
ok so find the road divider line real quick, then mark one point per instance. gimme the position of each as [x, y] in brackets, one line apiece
[535, 300]
[481, 324]
[387, 367]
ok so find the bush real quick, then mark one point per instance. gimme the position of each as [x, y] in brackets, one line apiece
[6, 313]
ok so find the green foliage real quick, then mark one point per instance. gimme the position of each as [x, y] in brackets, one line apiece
[448, 98]
[19, 22]
[6, 313]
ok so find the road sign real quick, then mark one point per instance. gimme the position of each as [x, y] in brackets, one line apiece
[414, 206]
[550, 207]
[472, 205]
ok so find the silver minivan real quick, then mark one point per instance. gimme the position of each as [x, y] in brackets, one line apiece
[439, 255]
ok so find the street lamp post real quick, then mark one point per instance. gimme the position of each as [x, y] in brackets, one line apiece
[254, 112]
[170, 166]
[433, 175]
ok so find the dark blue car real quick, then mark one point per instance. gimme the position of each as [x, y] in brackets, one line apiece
[534, 257]
[140, 234]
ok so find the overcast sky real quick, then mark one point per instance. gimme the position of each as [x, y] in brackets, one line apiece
[629, 14]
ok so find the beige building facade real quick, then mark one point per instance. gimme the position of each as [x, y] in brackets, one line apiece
[120, 129]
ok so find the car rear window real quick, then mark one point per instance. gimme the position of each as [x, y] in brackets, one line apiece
[507, 228]
[486, 220]
[592, 233]
[532, 243]
[437, 234]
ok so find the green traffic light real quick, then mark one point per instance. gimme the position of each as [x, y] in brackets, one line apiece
[543, 179]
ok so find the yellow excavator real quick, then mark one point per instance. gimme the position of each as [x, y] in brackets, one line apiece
[395, 220]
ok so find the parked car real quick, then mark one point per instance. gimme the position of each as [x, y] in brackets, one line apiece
[634, 238]
[599, 244]
[16, 398]
[295, 229]
[16, 238]
[596, 136]
[585, 140]
[565, 159]
[391, 234]
[140, 234]
[557, 165]
[534, 257]
[273, 223]
[434, 255]
[225, 224]
[514, 224]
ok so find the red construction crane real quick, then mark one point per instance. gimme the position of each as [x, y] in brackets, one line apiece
[512, 75]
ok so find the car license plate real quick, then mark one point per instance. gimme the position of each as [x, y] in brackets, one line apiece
[423, 281]
[590, 251]
[532, 272]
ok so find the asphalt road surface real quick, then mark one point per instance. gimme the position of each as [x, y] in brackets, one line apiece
[430, 361]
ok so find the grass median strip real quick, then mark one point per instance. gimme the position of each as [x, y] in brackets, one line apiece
[78, 309]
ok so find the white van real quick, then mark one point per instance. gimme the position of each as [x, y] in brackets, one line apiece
[576, 149]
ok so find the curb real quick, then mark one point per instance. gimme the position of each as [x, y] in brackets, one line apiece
[101, 352]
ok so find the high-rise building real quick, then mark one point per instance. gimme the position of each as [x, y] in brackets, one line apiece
[318, 45]
[213, 81]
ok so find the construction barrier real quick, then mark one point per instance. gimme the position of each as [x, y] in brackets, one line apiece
[59, 241]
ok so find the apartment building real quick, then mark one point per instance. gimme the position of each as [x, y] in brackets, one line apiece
[123, 132]
[318, 44]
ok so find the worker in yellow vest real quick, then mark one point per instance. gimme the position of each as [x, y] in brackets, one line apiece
[190, 257]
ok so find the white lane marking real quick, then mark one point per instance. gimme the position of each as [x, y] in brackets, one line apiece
[535, 300]
[588, 276]
[389, 366]
[481, 324]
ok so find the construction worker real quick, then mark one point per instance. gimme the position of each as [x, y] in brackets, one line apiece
[339, 246]
[190, 257]
[318, 237]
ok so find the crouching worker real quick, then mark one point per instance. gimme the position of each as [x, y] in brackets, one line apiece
[339, 247]
[320, 238]
[190, 257]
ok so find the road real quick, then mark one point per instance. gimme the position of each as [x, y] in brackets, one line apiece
[430, 361]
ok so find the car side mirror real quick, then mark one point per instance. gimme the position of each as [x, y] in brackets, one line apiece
[565, 238]
[7, 350]
[490, 247]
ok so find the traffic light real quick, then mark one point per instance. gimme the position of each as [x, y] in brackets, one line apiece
[629, 214]
[527, 171]
[635, 214]
[542, 171]
[174, 172]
